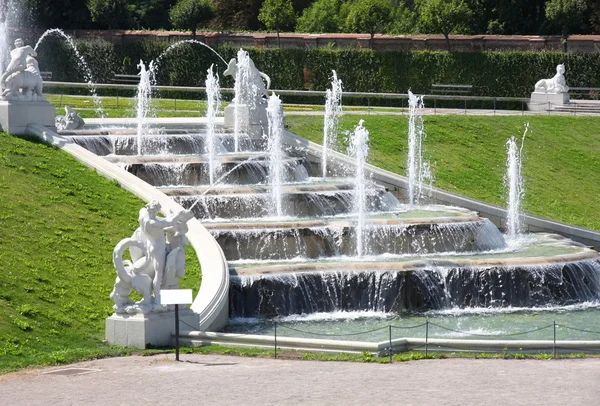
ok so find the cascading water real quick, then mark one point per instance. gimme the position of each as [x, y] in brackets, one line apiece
[143, 99]
[333, 113]
[418, 169]
[359, 149]
[87, 73]
[275, 148]
[514, 184]
[213, 101]
[242, 84]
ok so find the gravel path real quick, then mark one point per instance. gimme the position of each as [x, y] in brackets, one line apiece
[215, 379]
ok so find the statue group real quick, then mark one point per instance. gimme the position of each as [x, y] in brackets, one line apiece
[22, 80]
[157, 252]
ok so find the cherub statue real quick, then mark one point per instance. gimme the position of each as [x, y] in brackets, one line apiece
[70, 121]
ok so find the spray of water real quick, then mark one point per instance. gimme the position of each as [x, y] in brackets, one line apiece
[213, 100]
[143, 100]
[82, 64]
[359, 149]
[513, 181]
[275, 148]
[333, 113]
[179, 44]
[240, 89]
[419, 170]
[10, 13]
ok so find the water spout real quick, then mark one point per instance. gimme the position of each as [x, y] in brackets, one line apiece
[359, 149]
[333, 113]
[143, 99]
[87, 73]
[242, 85]
[418, 169]
[514, 183]
[275, 148]
[213, 100]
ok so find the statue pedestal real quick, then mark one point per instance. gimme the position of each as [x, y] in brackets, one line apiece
[541, 101]
[15, 115]
[142, 330]
[250, 125]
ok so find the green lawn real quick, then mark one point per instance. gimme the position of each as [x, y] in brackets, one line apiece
[60, 222]
[561, 166]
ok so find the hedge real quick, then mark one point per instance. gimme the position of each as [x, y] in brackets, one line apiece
[499, 74]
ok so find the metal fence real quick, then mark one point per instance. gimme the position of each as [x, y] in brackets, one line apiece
[370, 102]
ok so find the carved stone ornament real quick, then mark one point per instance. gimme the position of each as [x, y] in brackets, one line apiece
[157, 252]
[22, 80]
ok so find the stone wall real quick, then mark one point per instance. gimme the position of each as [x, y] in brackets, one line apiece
[464, 43]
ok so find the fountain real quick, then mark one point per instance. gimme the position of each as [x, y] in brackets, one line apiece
[275, 148]
[333, 113]
[513, 182]
[300, 246]
[418, 170]
[213, 98]
[143, 100]
[359, 149]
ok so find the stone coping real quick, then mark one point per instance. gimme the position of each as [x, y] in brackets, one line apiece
[212, 301]
[230, 190]
[187, 159]
[341, 222]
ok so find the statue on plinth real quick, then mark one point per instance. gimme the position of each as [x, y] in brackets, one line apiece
[22, 80]
[555, 85]
[70, 121]
[157, 260]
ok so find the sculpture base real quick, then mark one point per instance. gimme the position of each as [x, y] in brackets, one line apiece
[250, 125]
[15, 115]
[143, 330]
[541, 101]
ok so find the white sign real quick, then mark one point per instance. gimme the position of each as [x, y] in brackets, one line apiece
[175, 296]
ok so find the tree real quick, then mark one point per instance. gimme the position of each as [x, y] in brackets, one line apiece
[321, 16]
[368, 16]
[565, 14]
[109, 13]
[444, 17]
[277, 15]
[189, 14]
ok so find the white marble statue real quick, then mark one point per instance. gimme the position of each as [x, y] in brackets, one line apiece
[70, 121]
[555, 85]
[157, 260]
[22, 80]
[256, 81]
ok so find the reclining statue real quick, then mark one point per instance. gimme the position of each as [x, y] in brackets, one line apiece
[157, 251]
[555, 85]
[22, 80]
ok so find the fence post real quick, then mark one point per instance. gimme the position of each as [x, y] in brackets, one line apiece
[554, 339]
[465, 106]
[60, 104]
[175, 102]
[275, 340]
[434, 106]
[494, 106]
[390, 327]
[426, 336]
[522, 107]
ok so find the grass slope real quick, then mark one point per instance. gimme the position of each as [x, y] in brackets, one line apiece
[561, 166]
[60, 222]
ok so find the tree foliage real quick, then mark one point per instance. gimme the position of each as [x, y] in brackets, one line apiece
[109, 13]
[444, 17]
[189, 14]
[565, 14]
[368, 16]
[321, 16]
[277, 15]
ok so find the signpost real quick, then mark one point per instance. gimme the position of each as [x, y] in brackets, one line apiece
[176, 297]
